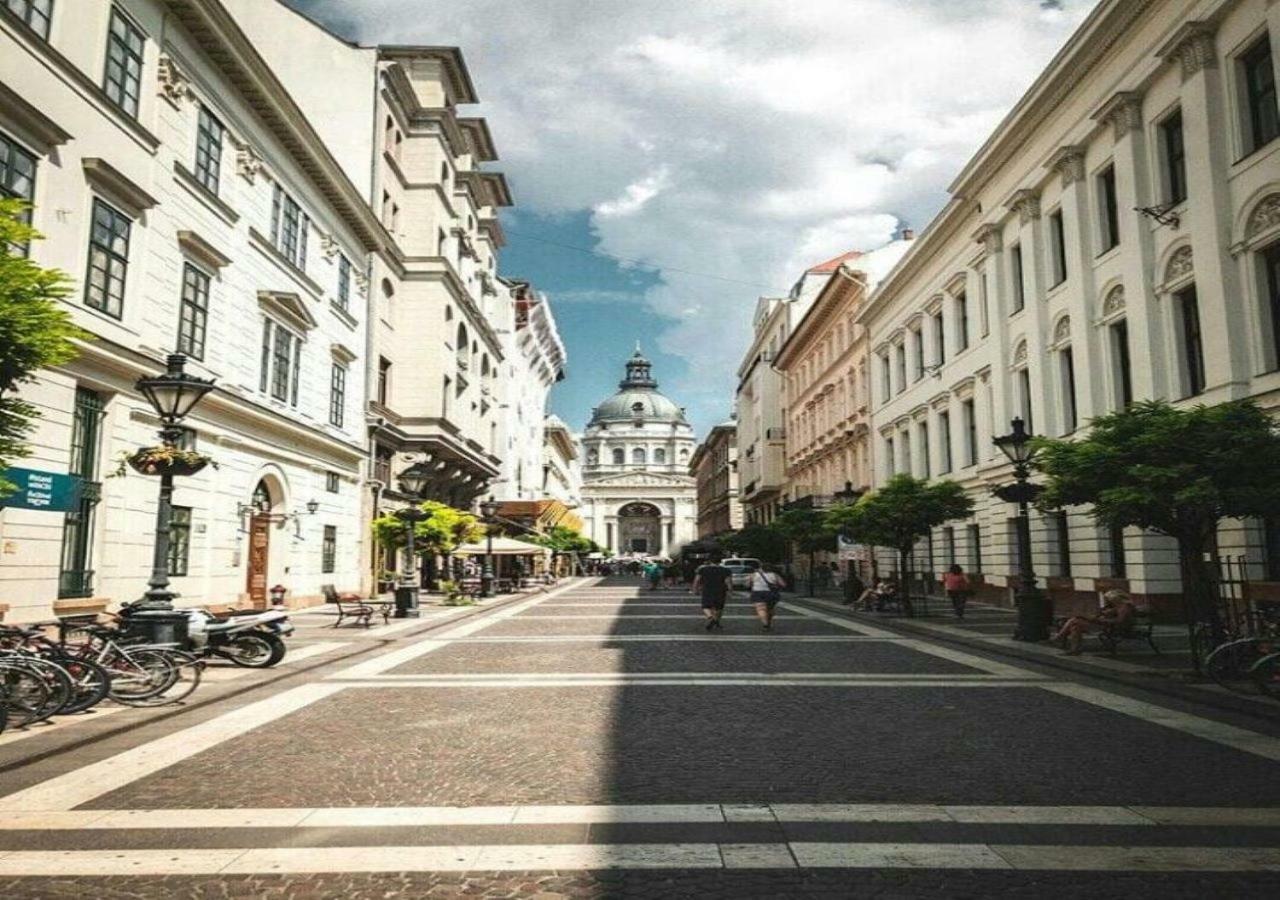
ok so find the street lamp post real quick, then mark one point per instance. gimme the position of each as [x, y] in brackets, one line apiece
[489, 513]
[172, 394]
[1034, 609]
[412, 480]
[846, 497]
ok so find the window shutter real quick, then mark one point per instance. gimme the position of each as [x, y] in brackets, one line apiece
[297, 366]
[266, 355]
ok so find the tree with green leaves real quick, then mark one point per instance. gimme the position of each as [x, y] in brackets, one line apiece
[439, 534]
[809, 531]
[35, 331]
[900, 514]
[1174, 471]
[755, 541]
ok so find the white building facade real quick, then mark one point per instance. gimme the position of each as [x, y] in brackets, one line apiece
[762, 463]
[638, 497]
[1116, 239]
[196, 211]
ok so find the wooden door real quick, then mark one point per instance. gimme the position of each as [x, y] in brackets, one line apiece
[259, 545]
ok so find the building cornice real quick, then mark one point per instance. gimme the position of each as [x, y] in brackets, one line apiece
[842, 282]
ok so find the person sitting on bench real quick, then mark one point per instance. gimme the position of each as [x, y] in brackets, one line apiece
[1117, 613]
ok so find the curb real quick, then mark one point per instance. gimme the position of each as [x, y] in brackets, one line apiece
[373, 645]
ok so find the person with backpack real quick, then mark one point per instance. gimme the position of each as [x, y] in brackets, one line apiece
[957, 587]
[766, 593]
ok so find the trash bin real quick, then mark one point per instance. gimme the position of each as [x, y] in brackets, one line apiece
[1035, 615]
[407, 602]
[161, 626]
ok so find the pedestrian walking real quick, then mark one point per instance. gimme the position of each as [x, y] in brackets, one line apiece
[766, 593]
[957, 587]
[714, 583]
[653, 574]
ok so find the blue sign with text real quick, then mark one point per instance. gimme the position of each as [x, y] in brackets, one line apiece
[48, 491]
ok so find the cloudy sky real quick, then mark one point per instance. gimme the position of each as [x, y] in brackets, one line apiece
[673, 160]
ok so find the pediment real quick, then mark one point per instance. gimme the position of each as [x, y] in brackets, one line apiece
[641, 479]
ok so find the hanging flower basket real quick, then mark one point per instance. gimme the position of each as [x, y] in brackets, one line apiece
[165, 461]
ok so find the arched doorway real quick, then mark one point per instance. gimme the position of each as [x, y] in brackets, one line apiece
[640, 529]
[260, 519]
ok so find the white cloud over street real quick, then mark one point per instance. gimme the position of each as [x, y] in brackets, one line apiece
[743, 138]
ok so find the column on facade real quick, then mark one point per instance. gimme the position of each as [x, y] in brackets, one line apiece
[994, 264]
[1026, 203]
[1078, 219]
[1207, 131]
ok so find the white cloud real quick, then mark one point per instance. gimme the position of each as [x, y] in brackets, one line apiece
[744, 138]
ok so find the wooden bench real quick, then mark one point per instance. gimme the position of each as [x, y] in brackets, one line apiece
[1139, 628]
[353, 606]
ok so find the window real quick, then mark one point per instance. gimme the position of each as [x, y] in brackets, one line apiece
[1011, 525]
[1192, 346]
[75, 578]
[1271, 277]
[331, 483]
[962, 322]
[123, 79]
[1057, 248]
[1024, 397]
[660, 456]
[926, 464]
[208, 150]
[1067, 372]
[1174, 156]
[638, 456]
[1121, 365]
[949, 545]
[1016, 275]
[944, 438]
[939, 339]
[619, 457]
[969, 417]
[289, 227]
[35, 13]
[108, 259]
[344, 282]
[1116, 554]
[1271, 548]
[975, 548]
[900, 353]
[382, 465]
[1259, 82]
[337, 395]
[328, 549]
[193, 315]
[179, 540]
[17, 178]
[886, 386]
[384, 380]
[905, 440]
[984, 305]
[1108, 209]
[890, 464]
[281, 361]
[1062, 542]
[917, 352]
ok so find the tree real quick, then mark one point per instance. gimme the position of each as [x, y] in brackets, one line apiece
[762, 542]
[899, 514]
[562, 539]
[439, 534]
[1177, 472]
[35, 331]
[809, 531]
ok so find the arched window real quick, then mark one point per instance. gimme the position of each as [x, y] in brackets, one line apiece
[638, 456]
[660, 455]
[484, 365]
[619, 456]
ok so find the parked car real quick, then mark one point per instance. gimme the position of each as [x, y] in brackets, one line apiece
[742, 568]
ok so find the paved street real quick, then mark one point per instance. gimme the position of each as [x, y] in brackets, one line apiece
[595, 741]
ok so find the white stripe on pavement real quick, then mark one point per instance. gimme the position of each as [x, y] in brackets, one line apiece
[465, 682]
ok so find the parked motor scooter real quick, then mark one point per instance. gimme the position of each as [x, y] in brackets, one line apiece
[248, 638]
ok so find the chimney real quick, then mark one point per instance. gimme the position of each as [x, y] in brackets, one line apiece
[908, 234]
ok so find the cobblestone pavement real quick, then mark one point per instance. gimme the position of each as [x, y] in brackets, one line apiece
[596, 741]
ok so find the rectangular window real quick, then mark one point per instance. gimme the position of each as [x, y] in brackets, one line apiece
[1016, 276]
[17, 179]
[1067, 372]
[289, 228]
[962, 322]
[209, 133]
[1108, 208]
[917, 351]
[179, 540]
[900, 353]
[382, 465]
[975, 549]
[890, 463]
[1014, 545]
[939, 339]
[1057, 248]
[1116, 554]
[344, 282]
[1259, 77]
[329, 549]
[944, 441]
[1271, 548]
[123, 79]
[907, 462]
[35, 14]
[75, 578]
[1271, 265]
[925, 449]
[193, 315]
[1024, 398]
[108, 259]
[984, 304]
[1121, 363]
[337, 395]
[1062, 543]
[970, 419]
[949, 545]
[281, 361]
[886, 386]
[1174, 156]
[1192, 344]
[384, 380]
[331, 482]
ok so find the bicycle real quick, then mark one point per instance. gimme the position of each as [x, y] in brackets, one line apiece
[1235, 662]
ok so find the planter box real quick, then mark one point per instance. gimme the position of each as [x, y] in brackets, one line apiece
[80, 606]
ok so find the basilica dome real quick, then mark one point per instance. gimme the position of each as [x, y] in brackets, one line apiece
[638, 398]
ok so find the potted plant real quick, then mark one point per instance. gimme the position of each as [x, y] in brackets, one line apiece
[454, 595]
[164, 460]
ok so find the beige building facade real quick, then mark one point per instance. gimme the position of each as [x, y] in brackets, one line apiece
[714, 467]
[762, 414]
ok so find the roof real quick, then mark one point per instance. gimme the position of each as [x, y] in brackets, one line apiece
[832, 264]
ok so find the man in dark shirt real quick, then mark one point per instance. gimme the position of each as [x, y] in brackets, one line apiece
[714, 582]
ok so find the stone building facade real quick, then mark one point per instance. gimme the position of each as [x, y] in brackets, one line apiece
[762, 414]
[714, 467]
[1116, 239]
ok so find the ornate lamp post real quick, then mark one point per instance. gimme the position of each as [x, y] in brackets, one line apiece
[846, 497]
[1034, 609]
[489, 513]
[412, 481]
[172, 394]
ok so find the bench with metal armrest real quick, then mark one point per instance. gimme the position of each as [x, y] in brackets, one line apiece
[353, 606]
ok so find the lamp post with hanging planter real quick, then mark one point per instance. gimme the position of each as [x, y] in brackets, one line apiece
[1034, 608]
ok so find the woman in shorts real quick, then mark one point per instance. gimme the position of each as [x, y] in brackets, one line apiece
[766, 593]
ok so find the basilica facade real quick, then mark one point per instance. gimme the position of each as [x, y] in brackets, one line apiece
[637, 494]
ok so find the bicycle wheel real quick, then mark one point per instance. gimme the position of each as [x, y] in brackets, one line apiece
[22, 693]
[1266, 675]
[1229, 664]
[188, 669]
[56, 680]
[137, 674]
[90, 684]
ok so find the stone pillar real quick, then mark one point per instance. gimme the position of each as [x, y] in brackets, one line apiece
[995, 264]
[1078, 228]
[1026, 203]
